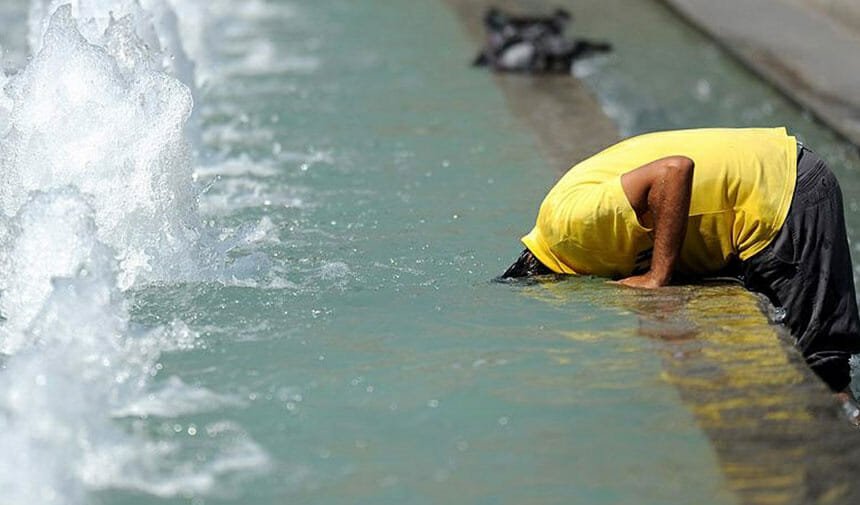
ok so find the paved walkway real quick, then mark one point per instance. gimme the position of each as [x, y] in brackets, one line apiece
[809, 49]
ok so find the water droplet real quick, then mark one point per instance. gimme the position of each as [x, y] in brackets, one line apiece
[779, 315]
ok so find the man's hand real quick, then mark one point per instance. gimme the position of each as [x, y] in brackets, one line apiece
[659, 193]
[645, 281]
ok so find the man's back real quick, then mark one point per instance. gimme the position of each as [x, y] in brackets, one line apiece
[742, 188]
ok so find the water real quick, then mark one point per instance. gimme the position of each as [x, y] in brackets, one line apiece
[284, 294]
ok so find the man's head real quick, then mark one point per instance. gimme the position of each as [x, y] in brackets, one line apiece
[526, 265]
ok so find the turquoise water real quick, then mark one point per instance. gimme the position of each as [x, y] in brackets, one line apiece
[358, 350]
[421, 380]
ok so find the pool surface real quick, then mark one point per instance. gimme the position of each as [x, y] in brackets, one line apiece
[355, 189]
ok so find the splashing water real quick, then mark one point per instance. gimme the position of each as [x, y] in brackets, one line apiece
[77, 363]
[97, 196]
[63, 375]
[5, 103]
[53, 235]
[153, 21]
[113, 128]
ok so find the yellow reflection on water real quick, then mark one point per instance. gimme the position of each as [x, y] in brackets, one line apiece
[772, 423]
[751, 393]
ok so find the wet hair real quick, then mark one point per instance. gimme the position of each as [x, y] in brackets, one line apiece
[526, 265]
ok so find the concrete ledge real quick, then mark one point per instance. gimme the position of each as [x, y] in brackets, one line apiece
[846, 12]
[797, 45]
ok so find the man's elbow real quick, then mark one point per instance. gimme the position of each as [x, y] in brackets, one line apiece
[681, 164]
[678, 167]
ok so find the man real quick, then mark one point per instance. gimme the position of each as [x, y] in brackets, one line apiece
[702, 202]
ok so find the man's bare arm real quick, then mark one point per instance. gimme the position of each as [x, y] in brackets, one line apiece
[659, 193]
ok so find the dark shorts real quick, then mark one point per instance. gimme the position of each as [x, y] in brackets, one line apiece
[807, 270]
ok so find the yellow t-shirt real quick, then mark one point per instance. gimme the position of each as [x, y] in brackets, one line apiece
[743, 182]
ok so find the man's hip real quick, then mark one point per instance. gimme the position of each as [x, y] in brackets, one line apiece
[807, 270]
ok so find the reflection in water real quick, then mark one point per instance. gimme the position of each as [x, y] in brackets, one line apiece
[775, 428]
[774, 425]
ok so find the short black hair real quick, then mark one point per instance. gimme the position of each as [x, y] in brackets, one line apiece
[526, 265]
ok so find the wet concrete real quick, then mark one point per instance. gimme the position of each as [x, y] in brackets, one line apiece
[844, 12]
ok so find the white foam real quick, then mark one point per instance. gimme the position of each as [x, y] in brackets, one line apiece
[175, 398]
[153, 21]
[241, 165]
[221, 451]
[157, 42]
[5, 104]
[53, 235]
[76, 361]
[97, 195]
[69, 361]
[116, 132]
[240, 193]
